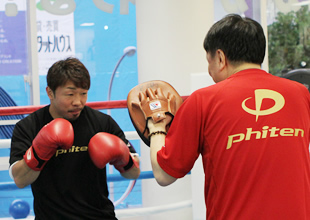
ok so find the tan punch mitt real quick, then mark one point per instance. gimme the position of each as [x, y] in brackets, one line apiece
[153, 99]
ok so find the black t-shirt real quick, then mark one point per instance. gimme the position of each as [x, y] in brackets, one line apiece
[70, 186]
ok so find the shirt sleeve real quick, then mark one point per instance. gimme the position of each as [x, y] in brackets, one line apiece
[182, 143]
[116, 130]
[20, 142]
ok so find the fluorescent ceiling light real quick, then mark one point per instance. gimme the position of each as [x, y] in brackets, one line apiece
[87, 24]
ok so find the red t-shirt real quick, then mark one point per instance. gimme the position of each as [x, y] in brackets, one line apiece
[252, 131]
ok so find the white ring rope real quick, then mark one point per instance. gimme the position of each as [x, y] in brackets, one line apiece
[5, 143]
[130, 135]
[152, 210]
[9, 122]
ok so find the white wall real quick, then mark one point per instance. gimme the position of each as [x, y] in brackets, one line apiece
[170, 36]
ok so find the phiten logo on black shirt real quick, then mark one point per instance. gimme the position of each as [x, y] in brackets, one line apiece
[73, 149]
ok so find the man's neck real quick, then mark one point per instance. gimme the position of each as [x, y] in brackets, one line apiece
[244, 66]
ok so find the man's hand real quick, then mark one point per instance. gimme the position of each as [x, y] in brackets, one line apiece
[57, 133]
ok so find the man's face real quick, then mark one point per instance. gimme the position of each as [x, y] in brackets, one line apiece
[67, 102]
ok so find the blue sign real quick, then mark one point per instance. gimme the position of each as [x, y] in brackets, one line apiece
[13, 44]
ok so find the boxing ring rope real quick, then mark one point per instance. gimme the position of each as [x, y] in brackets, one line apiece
[24, 110]
[152, 210]
[110, 178]
[131, 135]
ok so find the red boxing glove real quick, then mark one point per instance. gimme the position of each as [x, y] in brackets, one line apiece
[106, 148]
[57, 133]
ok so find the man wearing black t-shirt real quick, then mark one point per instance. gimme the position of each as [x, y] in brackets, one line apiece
[62, 149]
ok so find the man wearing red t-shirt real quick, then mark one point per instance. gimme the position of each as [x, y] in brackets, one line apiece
[251, 128]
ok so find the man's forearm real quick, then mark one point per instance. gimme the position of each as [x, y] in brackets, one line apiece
[134, 172]
[162, 178]
[23, 175]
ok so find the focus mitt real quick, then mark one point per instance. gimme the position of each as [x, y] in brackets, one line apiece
[153, 99]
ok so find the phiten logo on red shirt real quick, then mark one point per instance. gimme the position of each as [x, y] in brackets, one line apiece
[260, 95]
[266, 132]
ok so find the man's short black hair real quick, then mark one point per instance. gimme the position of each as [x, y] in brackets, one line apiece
[68, 69]
[241, 39]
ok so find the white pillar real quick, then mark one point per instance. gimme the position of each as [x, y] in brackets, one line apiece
[170, 38]
[33, 77]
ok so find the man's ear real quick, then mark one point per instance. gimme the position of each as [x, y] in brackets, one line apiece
[49, 92]
[222, 60]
